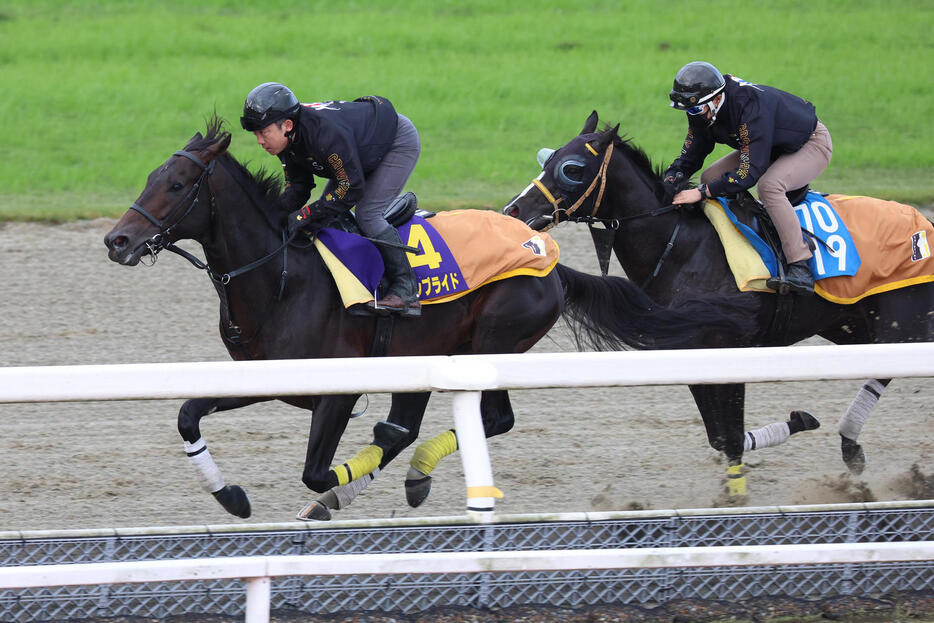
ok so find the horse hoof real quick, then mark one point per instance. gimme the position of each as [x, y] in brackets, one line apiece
[387, 435]
[314, 511]
[417, 490]
[804, 421]
[853, 455]
[234, 500]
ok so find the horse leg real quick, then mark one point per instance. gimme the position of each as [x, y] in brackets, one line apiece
[852, 423]
[232, 497]
[405, 414]
[498, 418]
[777, 433]
[329, 418]
[721, 407]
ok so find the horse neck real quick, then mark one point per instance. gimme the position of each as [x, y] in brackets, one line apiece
[642, 236]
[692, 264]
[239, 235]
[238, 232]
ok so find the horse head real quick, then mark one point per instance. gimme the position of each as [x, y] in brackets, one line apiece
[175, 204]
[572, 181]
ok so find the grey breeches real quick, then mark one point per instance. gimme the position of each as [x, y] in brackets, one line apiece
[387, 180]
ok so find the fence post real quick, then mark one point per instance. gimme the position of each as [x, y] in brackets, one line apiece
[258, 598]
[481, 494]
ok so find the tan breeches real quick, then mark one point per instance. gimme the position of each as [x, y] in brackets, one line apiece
[789, 172]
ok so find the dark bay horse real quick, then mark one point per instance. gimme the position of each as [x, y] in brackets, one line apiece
[675, 254]
[279, 301]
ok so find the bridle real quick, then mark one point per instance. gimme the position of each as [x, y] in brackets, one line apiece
[158, 242]
[599, 178]
[603, 238]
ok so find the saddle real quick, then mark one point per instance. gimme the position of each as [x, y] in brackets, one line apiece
[752, 213]
[397, 213]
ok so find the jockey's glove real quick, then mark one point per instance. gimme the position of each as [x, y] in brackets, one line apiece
[670, 183]
[300, 219]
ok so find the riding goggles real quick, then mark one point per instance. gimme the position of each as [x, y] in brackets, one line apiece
[696, 110]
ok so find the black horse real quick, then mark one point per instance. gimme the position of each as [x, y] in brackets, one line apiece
[279, 301]
[675, 254]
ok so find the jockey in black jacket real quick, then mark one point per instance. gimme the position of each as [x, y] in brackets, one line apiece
[364, 148]
[780, 146]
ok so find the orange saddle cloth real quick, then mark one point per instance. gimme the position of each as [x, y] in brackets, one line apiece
[485, 246]
[893, 241]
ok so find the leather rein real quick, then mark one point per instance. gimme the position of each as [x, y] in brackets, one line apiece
[158, 242]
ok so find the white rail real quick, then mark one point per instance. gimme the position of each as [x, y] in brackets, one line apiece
[259, 570]
[467, 375]
[285, 377]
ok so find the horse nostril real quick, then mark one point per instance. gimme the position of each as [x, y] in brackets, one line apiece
[115, 242]
[512, 211]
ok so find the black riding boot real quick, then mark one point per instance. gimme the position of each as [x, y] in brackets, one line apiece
[402, 294]
[798, 279]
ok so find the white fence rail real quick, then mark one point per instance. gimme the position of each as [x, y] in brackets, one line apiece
[462, 372]
[467, 375]
[259, 570]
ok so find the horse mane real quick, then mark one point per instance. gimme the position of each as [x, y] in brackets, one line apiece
[640, 159]
[266, 184]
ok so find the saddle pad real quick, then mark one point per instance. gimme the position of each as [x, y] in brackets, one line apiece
[892, 240]
[744, 258]
[459, 251]
[835, 253]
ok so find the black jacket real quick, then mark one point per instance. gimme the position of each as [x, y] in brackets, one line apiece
[341, 141]
[761, 122]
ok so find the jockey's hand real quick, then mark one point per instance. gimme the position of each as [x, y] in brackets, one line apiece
[670, 182]
[691, 195]
[299, 219]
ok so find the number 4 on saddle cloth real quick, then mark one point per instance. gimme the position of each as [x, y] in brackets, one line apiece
[458, 251]
[863, 246]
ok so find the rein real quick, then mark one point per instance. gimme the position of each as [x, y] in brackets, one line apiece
[158, 242]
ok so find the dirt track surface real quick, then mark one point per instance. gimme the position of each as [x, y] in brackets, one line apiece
[120, 464]
[913, 607]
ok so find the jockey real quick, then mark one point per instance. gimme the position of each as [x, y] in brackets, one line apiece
[365, 149]
[780, 145]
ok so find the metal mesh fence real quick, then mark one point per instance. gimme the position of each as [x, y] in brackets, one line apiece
[407, 593]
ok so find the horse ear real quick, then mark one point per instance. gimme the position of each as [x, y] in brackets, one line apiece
[196, 137]
[217, 149]
[607, 137]
[591, 125]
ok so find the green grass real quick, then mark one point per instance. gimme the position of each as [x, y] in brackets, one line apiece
[97, 94]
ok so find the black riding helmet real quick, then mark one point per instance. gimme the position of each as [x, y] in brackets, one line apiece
[268, 103]
[695, 84]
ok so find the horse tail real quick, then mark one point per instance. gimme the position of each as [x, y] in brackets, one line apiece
[612, 313]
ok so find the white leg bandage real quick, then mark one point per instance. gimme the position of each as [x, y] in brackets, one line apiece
[774, 434]
[210, 476]
[346, 493]
[854, 418]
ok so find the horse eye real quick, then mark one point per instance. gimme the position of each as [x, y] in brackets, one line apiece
[574, 172]
[176, 186]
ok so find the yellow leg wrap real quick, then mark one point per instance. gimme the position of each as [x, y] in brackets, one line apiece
[361, 464]
[736, 480]
[429, 454]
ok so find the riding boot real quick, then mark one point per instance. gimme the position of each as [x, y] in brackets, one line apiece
[798, 279]
[402, 294]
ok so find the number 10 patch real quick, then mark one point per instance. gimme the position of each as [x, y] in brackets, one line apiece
[836, 252]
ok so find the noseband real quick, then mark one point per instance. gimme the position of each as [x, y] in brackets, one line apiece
[158, 240]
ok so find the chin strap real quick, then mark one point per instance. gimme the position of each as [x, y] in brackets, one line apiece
[715, 108]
